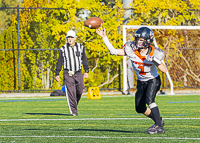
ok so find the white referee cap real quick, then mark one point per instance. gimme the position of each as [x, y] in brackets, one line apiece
[71, 33]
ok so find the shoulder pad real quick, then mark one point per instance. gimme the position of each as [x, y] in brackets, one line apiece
[158, 53]
[129, 45]
[129, 48]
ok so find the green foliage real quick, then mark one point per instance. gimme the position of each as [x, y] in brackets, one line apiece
[46, 29]
[8, 62]
[6, 14]
[167, 12]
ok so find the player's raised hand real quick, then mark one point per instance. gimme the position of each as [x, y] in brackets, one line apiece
[101, 32]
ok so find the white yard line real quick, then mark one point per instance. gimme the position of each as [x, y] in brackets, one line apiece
[7, 120]
[102, 137]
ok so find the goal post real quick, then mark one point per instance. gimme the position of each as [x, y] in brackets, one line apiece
[135, 27]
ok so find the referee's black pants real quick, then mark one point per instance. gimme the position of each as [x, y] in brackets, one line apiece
[74, 90]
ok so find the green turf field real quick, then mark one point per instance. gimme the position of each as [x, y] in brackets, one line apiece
[109, 119]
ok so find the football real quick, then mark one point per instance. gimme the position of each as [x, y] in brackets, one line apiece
[93, 22]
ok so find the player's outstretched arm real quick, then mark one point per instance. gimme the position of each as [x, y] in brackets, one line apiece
[102, 32]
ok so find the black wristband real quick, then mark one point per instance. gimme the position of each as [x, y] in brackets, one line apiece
[156, 61]
[87, 71]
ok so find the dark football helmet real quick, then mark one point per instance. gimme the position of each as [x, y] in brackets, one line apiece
[147, 34]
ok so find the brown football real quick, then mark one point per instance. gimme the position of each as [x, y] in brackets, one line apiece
[93, 22]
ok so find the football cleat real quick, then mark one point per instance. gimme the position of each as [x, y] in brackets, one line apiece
[157, 130]
[154, 125]
[74, 114]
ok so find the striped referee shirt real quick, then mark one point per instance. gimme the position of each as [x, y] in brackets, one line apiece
[72, 58]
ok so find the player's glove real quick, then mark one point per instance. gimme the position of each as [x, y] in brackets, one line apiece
[153, 59]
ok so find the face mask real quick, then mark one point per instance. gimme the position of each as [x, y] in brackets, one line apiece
[138, 45]
[143, 45]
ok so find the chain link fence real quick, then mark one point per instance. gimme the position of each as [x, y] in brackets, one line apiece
[29, 54]
[28, 57]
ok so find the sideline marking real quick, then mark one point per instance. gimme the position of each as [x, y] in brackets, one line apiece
[84, 96]
[102, 137]
[32, 100]
[95, 119]
[184, 102]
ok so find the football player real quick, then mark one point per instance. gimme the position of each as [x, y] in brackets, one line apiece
[145, 58]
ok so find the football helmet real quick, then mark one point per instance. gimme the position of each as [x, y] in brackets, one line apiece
[145, 33]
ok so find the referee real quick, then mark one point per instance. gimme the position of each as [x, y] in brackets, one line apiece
[72, 56]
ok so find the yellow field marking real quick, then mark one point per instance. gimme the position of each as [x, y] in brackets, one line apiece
[181, 126]
[104, 109]
[181, 109]
[77, 125]
[93, 125]
[22, 124]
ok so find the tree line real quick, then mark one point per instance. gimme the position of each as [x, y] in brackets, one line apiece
[46, 29]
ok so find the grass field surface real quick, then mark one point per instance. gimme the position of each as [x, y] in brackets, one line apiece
[111, 119]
